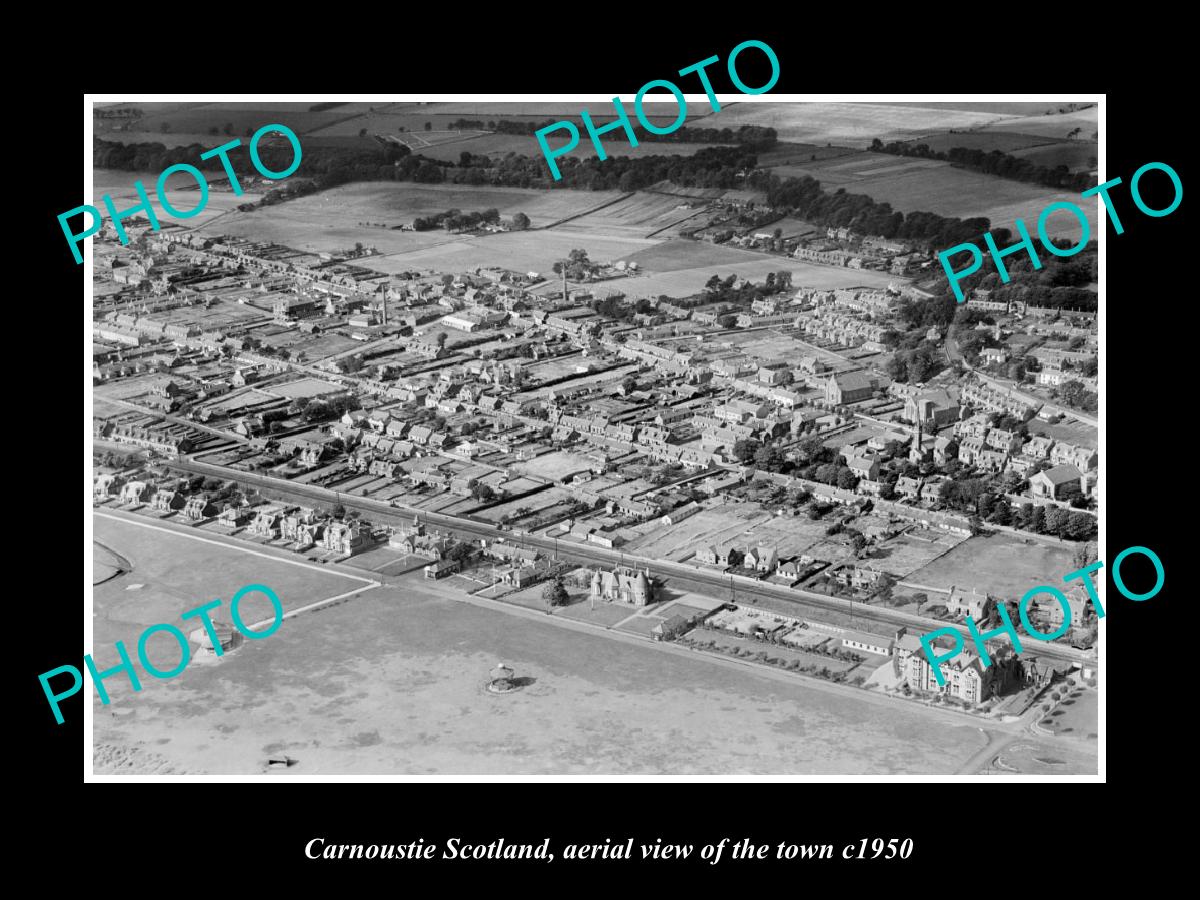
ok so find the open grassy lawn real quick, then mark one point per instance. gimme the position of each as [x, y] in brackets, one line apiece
[175, 571]
[1076, 716]
[1001, 564]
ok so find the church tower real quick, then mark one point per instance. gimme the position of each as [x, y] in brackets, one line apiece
[916, 454]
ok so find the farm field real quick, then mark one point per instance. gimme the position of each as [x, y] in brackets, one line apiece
[1046, 151]
[999, 107]
[119, 186]
[1057, 126]
[524, 251]
[1075, 155]
[1001, 564]
[787, 153]
[499, 145]
[198, 118]
[393, 682]
[850, 124]
[329, 220]
[636, 215]
[911, 184]
[412, 117]
[1004, 141]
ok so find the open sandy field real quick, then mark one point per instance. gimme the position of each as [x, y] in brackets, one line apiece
[1001, 564]
[393, 682]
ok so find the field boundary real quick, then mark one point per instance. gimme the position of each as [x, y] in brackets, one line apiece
[234, 546]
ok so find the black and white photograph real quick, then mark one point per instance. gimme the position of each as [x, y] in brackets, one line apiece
[736, 435]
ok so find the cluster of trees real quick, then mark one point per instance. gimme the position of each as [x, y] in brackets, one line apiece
[710, 167]
[1073, 393]
[328, 166]
[457, 220]
[723, 290]
[1058, 284]
[994, 162]
[805, 198]
[318, 410]
[577, 265]
[616, 308]
[917, 365]
[555, 592]
[977, 497]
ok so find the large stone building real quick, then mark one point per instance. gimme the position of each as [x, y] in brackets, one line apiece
[623, 584]
[965, 676]
[850, 387]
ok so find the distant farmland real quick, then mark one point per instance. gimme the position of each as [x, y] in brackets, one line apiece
[850, 124]
[1056, 126]
[910, 184]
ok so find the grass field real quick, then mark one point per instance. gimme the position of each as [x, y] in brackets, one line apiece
[708, 259]
[1076, 716]
[304, 387]
[174, 571]
[330, 220]
[1001, 564]
[530, 250]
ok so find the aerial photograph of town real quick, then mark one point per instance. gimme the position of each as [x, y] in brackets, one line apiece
[663, 467]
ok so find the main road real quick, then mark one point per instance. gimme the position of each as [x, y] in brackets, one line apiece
[592, 555]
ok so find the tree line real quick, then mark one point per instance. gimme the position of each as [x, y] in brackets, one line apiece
[805, 198]
[710, 167]
[994, 162]
[1059, 284]
[754, 136]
